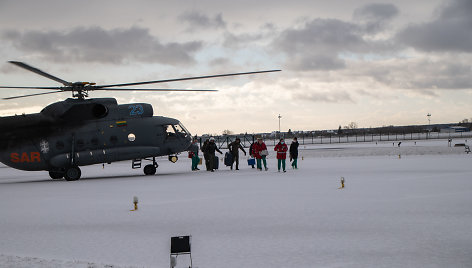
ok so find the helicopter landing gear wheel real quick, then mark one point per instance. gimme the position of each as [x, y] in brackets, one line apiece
[72, 174]
[55, 175]
[150, 170]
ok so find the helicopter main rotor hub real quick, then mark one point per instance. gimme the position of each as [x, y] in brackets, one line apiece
[82, 89]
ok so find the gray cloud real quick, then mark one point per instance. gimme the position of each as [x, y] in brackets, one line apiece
[220, 61]
[368, 93]
[265, 32]
[96, 44]
[316, 62]
[322, 44]
[321, 34]
[8, 68]
[444, 76]
[318, 39]
[376, 12]
[241, 40]
[301, 91]
[424, 74]
[330, 97]
[198, 20]
[375, 17]
[449, 32]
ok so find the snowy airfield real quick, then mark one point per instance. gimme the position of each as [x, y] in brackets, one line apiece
[408, 206]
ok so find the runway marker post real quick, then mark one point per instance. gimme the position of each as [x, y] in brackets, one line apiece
[135, 202]
[342, 183]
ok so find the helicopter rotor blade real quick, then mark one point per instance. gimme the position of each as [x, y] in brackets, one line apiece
[182, 79]
[38, 71]
[50, 88]
[29, 95]
[153, 89]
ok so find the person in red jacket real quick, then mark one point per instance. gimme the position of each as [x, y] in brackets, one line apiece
[281, 149]
[259, 151]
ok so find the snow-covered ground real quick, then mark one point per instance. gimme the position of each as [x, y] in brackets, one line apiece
[407, 206]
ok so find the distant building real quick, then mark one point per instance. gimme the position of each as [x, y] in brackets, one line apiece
[454, 129]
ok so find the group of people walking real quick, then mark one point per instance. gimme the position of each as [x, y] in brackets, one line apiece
[257, 150]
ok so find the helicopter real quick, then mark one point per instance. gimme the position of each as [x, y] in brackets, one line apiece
[81, 131]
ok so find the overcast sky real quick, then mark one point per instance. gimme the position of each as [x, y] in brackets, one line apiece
[371, 62]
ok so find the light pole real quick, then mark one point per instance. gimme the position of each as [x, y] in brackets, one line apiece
[280, 134]
[429, 124]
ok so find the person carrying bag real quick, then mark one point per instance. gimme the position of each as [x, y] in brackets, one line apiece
[260, 153]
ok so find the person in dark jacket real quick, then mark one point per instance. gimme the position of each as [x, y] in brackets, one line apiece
[294, 153]
[234, 150]
[212, 148]
[206, 155]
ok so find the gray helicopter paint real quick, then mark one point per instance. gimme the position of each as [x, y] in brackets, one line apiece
[91, 157]
[79, 138]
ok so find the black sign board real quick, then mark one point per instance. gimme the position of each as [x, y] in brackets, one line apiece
[180, 244]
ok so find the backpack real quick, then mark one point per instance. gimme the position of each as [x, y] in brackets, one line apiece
[228, 159]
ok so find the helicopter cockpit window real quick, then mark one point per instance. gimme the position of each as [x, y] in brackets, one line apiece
[180, 130]
[169, 131]
[175, 131]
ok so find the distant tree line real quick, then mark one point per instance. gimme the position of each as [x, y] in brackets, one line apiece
[466, 123]
[352, 129]
[347, 134]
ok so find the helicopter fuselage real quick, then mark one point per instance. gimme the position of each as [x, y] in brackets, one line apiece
[78, 132]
